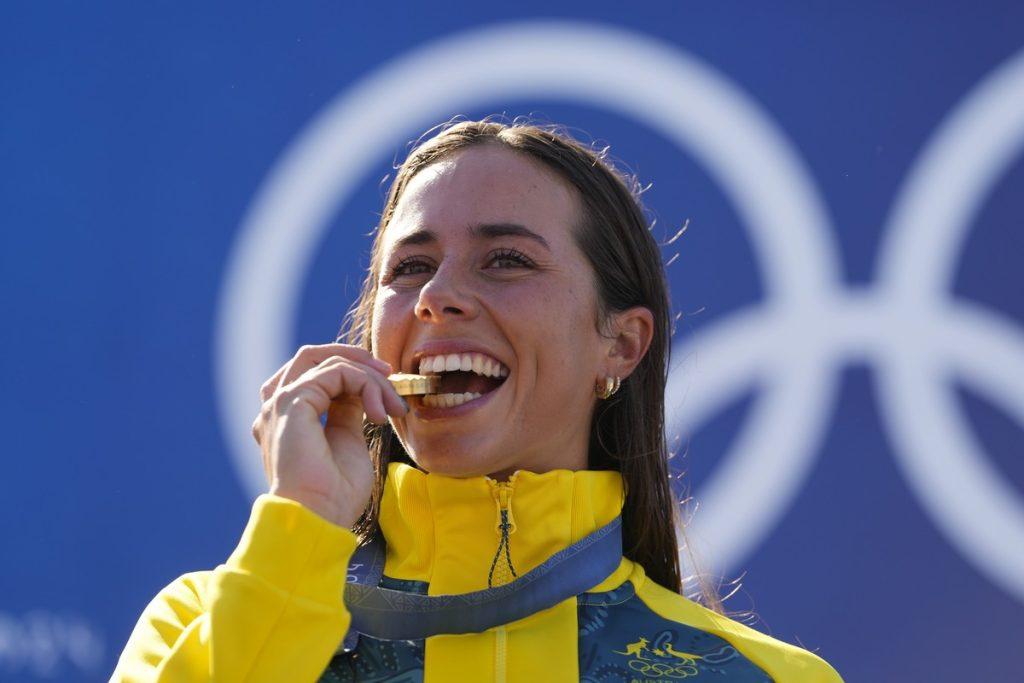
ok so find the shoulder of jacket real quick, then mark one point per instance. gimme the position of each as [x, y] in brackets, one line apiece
[165, 617]
[783, 661]
[182, 599]
[314, 545]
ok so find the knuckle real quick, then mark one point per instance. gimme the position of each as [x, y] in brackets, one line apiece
[332, 361]
[284, 399]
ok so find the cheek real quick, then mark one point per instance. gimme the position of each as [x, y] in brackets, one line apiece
[386, 323]
[571, 313]
[536, 319]
[563, 330]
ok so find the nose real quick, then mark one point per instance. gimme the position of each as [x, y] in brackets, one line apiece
[446, 295]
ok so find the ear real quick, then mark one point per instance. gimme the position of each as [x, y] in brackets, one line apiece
[632, 331]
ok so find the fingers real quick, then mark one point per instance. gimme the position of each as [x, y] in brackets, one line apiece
[310, 356]
[342, 380]
[381, 394]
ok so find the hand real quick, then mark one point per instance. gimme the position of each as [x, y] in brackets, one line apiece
[326, 468]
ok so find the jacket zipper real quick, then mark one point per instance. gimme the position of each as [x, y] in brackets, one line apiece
[506, 524]
[500, 646]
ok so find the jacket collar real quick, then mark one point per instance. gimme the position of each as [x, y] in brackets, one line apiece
[446, 530]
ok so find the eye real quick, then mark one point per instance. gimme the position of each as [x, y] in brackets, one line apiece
[407, 266]
[417, 265]
[513, 256]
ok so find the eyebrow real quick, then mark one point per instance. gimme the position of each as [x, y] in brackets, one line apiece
[480, 231]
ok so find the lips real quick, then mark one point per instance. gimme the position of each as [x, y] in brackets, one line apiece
[462, 373]
[468, 376]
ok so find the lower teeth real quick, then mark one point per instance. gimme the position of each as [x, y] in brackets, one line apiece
[448, 400]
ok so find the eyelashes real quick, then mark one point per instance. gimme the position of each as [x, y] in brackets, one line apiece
[406, 265]
[512, 255]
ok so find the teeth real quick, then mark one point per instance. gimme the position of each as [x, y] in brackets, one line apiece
[465, 362]
[449, 400]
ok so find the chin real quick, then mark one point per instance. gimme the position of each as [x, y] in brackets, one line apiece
[454, 455]
[458, 464]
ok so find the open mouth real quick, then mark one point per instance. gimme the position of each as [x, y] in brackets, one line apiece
[475, 376]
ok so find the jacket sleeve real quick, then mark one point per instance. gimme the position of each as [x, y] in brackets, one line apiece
[274, 611]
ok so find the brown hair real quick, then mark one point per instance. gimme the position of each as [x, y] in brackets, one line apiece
[627, 430]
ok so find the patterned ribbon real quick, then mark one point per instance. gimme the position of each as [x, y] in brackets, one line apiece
[390, 614]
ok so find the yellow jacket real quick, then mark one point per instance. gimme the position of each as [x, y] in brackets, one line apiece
[274, 611]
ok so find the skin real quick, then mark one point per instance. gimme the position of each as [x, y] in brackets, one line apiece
[538, 318]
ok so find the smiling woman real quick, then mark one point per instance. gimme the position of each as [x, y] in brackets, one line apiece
[516, 264]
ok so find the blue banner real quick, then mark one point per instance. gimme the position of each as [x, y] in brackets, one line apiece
[187, 198]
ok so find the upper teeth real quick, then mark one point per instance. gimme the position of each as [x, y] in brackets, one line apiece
[467, 362]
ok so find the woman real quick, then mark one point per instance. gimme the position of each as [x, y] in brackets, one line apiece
[516, 263]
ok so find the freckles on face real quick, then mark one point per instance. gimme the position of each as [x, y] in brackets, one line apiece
[564, 343]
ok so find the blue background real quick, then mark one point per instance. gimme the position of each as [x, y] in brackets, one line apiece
[133, 139]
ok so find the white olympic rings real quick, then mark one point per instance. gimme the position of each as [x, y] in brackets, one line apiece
[810, 326]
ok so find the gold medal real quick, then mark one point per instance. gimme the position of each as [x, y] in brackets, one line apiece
[412, 385]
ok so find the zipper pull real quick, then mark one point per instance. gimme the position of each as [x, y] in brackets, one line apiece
[504, 501]
[505, 526]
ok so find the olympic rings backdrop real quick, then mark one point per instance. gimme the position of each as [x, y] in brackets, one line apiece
[186, 199]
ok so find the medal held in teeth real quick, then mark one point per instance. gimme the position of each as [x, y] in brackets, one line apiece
[413, 385]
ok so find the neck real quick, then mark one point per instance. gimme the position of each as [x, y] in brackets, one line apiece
[447, 531]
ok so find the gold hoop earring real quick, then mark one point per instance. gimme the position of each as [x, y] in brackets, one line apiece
[611, 385]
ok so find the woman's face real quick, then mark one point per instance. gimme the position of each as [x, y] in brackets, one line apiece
[454, 278]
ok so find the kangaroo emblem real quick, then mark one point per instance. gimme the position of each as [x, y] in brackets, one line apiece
[635, 649]
[681, 655]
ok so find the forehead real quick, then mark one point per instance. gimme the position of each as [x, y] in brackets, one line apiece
[485, 184]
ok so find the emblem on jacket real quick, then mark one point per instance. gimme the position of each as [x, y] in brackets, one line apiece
[661, 662]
